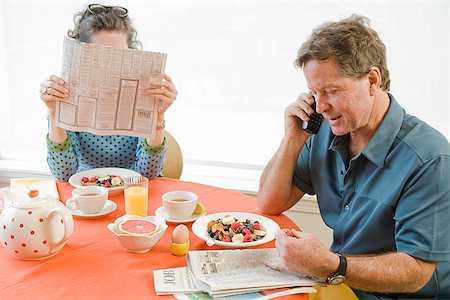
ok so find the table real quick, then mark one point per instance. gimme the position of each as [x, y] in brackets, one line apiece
[93, 265]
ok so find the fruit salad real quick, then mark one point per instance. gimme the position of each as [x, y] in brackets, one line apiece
[230, 229]
[105, 181]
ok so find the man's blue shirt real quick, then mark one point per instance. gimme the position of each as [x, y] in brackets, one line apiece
[393, 196]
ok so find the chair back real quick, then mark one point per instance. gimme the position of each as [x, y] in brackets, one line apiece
[173, 166]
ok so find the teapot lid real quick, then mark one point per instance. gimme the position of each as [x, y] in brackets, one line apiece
[32, 200]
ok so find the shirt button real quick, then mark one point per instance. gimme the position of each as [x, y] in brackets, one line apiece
[342, 172]
[347, 207]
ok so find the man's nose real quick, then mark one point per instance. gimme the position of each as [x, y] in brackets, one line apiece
[320, 104]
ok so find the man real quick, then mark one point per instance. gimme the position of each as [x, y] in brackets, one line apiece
[380, 175]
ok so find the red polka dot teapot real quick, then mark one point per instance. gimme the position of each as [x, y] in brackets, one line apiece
[34, 227]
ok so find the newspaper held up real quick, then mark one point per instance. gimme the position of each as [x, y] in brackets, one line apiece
[108, 89]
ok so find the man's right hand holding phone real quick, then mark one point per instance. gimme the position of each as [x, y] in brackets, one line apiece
[301, 116]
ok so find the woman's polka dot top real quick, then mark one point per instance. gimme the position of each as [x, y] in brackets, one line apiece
[83, 151]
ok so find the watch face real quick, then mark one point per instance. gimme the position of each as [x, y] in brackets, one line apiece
[335, 280]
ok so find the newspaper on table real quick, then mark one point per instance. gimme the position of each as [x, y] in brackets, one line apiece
[108, 89]
[176, 280]
[230, 272]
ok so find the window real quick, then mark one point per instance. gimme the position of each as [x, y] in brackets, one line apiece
[232, 63]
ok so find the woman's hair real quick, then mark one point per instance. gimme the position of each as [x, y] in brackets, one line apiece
[352, 43]
[87, 23]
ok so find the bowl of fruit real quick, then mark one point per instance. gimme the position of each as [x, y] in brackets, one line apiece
[138, 234]
[110, 178]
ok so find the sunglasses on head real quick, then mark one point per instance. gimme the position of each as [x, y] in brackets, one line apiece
[118, 11]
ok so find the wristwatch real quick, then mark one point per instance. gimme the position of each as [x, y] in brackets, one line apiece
[339, 276]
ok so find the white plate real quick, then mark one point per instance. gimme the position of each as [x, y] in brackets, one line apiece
[200, 229]
[109, 207]
[162, 212]
[75, 180]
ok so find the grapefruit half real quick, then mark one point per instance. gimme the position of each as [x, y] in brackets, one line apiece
[138, 227]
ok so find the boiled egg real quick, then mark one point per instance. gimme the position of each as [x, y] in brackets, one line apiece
[180, 234]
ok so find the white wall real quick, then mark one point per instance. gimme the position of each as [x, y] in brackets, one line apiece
[232, 62]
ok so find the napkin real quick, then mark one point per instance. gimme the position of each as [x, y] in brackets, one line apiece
[21, 186]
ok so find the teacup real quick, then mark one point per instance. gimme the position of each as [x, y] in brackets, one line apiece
[88, 199]
[180, 204]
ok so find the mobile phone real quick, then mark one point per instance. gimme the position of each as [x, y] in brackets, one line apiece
[315, 120]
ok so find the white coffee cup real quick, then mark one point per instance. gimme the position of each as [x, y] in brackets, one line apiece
[88, 199]
[180, 205]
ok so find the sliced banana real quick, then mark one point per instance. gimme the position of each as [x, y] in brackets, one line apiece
[217, 227]
[237, 238]
[228, 220]
[115, 181]
[259, 232]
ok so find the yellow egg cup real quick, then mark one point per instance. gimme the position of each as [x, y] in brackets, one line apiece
[179, 249]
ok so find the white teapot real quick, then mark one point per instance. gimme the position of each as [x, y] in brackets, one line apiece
[34, 227]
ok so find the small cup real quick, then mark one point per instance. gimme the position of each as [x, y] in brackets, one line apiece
[88, 199]
[180, 204]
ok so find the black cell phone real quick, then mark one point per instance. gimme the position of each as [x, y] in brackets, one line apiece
[315, 120]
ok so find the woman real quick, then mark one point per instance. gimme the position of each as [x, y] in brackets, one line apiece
[70, 152]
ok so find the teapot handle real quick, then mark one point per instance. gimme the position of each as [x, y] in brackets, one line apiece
[67, 230]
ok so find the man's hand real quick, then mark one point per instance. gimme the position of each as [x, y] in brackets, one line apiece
[297, 112]
[303, 254]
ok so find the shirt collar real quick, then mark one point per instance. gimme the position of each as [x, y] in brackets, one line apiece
[381, 142]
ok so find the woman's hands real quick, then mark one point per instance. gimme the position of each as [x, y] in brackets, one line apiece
[52, 90]
[164, 91]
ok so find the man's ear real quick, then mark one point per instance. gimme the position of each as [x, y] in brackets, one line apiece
[374, 77]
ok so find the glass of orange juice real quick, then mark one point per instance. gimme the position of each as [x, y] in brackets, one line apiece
[136, 195]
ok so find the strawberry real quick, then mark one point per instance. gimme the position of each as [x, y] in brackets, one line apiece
[93, 179]
[84, 180]
[107, 184]
[235, 225]
[248, 238]
[256, 226]
[246, 231]
[226, 238]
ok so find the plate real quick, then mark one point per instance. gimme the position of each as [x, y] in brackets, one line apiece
[162, 212]
[200, 229]
[109, 207]
[75, 180]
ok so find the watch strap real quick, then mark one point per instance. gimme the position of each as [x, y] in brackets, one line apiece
[339, 276]
[342, 264]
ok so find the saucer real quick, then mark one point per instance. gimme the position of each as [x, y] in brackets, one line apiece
[109, 207]
[162, 212]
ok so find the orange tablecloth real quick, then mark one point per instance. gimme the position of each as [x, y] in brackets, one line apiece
[93, 265]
